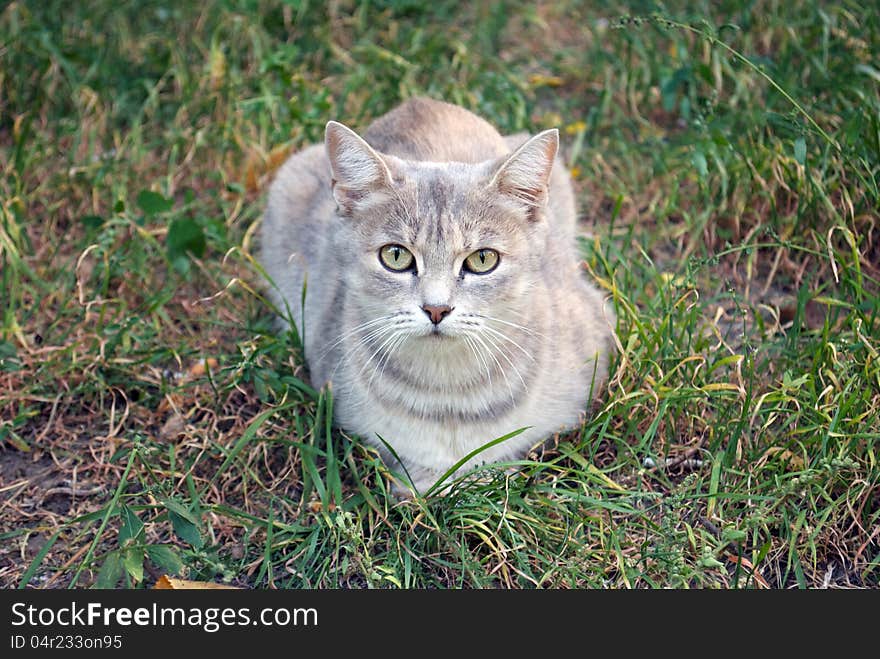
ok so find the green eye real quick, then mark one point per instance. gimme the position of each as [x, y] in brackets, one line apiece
[396, 257]
[482, 261]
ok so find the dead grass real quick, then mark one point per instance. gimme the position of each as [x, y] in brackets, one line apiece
[151, 421]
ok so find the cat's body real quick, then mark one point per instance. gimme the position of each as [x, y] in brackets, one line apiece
[438, 358]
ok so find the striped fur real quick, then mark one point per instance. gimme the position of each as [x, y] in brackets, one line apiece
[525, 345]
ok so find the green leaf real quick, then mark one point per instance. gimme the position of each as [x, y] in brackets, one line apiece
[788, 382]
[185, 524]
[261, 390]
[178, 508]
[186, 530]
[733, 535]
[800, 150]
[152, 203]
[709, 561]
[132, 526]
[166, 558]
[185, 236]
[133, 560]
[668, 90]
[9, 357]
[111, 571]
[7, 350]
[699, 160]
[684, 108]
[720, 139]
[7, 435]
[714, 479]
[92, 222]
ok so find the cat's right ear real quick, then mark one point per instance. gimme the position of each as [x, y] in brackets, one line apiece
[357, 169]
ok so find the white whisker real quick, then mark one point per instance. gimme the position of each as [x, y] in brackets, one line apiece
[478, 356]
[507, 338]
[498, 363]
[359, 328]
[503, 353]
[386, 341]
[400, 338]
[376, 334]
[514, 325]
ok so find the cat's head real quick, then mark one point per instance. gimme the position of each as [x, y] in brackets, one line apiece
[440, 247]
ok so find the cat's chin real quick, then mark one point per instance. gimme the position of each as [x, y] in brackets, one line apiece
[437, 334]
[433, 339]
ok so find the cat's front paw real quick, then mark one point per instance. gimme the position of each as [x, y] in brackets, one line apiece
[422, 482]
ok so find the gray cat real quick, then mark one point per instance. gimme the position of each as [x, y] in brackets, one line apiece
[444, 298]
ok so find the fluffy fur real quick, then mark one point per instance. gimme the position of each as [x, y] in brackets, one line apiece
[524, 345]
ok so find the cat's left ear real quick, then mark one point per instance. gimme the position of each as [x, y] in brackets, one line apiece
[525, 175]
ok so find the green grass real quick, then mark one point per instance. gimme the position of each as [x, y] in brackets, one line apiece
[726, 157]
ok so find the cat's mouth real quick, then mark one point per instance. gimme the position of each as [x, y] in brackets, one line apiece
[437, 334]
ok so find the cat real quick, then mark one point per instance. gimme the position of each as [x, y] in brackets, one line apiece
[444, 299]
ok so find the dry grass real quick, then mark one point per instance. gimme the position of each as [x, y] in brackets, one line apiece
[151, 421]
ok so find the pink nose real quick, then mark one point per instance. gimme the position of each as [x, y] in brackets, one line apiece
[437, 312]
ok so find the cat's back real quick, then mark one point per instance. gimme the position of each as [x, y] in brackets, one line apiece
[428, 130]
[294, 228]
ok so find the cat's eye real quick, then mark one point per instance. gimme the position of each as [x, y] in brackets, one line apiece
[482, 262]
[396, 258]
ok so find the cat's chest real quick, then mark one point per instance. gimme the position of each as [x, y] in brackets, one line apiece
[426, 434]
[433, 429]
[450, 385]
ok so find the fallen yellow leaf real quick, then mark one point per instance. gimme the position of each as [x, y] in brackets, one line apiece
[201, 367]
[540, 80]
[796, 462]
[173, 583]
[576, 127]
